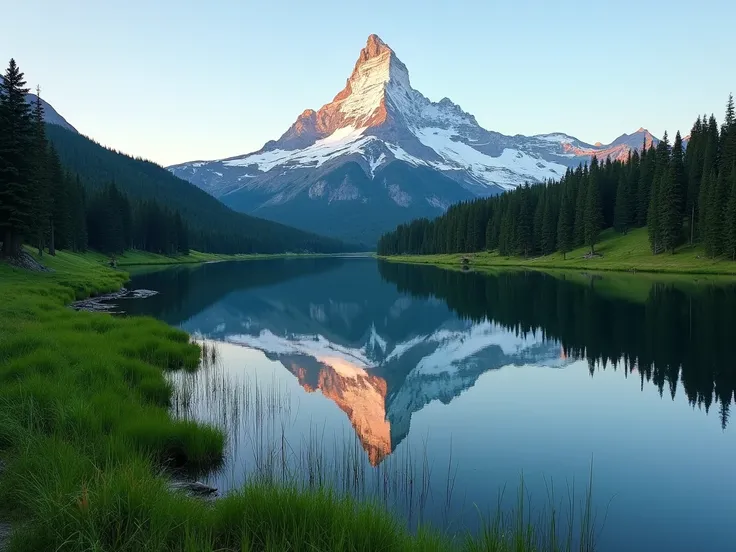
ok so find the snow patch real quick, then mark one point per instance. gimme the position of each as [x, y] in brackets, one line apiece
[316, 346]
[555, 138]
[376, 340]
[399, 196]
[434, 201]
[506, 170]
[344, 141]
[375, 163]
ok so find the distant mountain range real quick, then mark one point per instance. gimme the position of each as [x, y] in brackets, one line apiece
[382, 153]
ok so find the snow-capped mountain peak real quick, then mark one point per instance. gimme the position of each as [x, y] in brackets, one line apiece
[381, 153]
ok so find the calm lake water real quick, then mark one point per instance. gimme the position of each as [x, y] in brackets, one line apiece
[433, 391]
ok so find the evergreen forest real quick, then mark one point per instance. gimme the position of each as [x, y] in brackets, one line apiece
[683, 191]
[61, 190]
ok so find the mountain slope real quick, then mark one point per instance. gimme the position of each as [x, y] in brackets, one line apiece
[141, 180]
[379, 121]
[50, 115]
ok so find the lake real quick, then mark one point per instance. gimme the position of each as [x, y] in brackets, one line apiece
[447, 395]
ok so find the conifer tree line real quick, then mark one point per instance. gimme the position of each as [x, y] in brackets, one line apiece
[110, 201]
[44, 205]
[683, 193]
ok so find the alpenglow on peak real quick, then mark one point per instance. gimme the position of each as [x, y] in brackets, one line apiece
[381, 153]
[361, 104]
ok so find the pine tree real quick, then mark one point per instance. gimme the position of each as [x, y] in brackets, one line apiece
[581, 176]
[715, 223]
[710, 156]
[703, 204]
[728, 139]
[565, 222]
[525, 223]
[730, 221]
[59, 202]
[538, 219]
[182, 238]
[461, 231]
[694, 170]
[632, 176]
[646, 178]
[671, 194]
[653, 217]
[621, 209]
[489, 235]
[593, 218]
[549, 222]
[39, 185]
[78, 217]
[15, 160]
[730, 113]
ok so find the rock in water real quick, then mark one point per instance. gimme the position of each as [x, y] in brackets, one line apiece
[194, 488]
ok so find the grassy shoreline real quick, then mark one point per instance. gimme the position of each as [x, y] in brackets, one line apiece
[85, 429]
[135, 258]
[618, 253]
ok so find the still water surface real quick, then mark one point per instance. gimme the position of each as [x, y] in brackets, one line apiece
[433, 391]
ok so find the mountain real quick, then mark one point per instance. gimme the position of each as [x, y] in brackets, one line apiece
[381, 153]
[50, 115]
[213, 226]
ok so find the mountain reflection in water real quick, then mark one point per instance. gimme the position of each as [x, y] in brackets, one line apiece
[384, 347]
[375, 375]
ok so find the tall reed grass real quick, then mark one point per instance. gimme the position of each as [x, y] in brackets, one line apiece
[267, 448]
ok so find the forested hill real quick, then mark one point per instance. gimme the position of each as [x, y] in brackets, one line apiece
[213, 226]
[684, 193]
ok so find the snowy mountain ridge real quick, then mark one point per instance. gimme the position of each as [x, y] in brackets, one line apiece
[383, 145]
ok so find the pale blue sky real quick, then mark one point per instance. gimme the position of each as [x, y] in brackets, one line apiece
[175, 81]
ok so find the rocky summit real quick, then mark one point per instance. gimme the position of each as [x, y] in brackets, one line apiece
[381, 153]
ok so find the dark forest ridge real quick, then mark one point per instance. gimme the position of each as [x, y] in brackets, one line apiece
[60, 189]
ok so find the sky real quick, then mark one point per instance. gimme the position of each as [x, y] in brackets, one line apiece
[175, 81]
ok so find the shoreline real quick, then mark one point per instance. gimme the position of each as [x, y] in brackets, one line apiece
[615, 253]
[134, 258]
[530, 265]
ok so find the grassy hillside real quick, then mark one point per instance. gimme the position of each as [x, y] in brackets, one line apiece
[617, 252]
[141, 180]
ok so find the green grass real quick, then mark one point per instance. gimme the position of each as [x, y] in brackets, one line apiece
[85, 430]
[137, 258]
[628, 253]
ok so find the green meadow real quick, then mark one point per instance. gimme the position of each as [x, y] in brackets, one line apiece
[616, 252]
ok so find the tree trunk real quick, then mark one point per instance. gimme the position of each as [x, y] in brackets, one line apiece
[52, 244]
[16, 245]
[692, 224]
[40, 244]
[7, 241]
